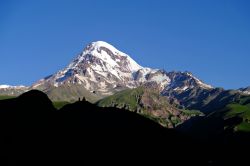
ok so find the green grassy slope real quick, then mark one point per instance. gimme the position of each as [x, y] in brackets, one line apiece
[59, 104]
[71, 94]
[150, 104]
[125, 99]
[240, 110]
[6, 97]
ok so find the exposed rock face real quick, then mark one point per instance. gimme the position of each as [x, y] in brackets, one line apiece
[146, 100]
[245, 91]
[103, 69]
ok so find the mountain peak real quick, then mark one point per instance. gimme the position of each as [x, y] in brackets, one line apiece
[109, 55]
[99, 44]
[102, 69]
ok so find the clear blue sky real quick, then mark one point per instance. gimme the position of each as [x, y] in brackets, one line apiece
[210, 38]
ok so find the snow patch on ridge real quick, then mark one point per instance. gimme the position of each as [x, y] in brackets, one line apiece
[12, 87]
[101, 67]
[203, 85]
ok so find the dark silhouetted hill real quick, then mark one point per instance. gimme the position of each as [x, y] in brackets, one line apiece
[34, 109]
[30, 110]
[33, 132]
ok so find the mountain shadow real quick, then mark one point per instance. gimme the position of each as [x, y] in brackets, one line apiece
[34, 132]
[34, 110]
[218, 136]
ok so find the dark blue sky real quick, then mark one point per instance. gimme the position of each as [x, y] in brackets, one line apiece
[210, 38]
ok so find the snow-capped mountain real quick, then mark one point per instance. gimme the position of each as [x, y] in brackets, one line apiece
[182, 81]
[245, 91]
[12, 87]
[100, 67]
[12, 90]
[103, 69]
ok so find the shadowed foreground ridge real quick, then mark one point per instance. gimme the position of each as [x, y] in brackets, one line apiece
[34, 109]
[33, 131]
[30, 125]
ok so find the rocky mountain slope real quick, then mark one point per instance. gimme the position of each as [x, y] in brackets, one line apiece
[12, 90]
[148, 102]
[205, 100]
[101, 70]
[245, 91]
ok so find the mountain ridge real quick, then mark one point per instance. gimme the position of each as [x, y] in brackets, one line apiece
[104, 70]
[101, 70]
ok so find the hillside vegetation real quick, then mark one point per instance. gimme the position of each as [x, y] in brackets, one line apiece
[241, 111]
[148, 102]
[6, 97]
